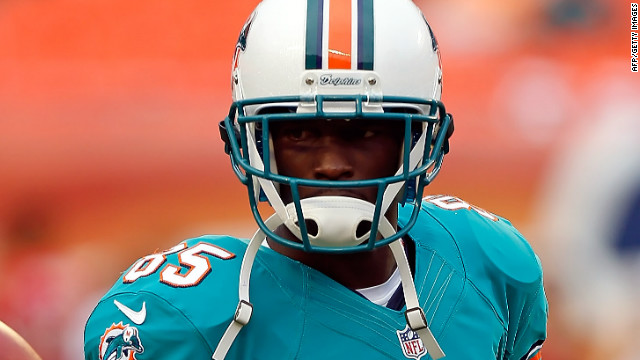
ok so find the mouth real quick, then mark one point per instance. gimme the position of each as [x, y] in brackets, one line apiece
[366, 194]
[338, 192]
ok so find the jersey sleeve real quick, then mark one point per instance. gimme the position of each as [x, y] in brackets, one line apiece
[173, 304]
[141, 326]
[528, 329]
[501, 266]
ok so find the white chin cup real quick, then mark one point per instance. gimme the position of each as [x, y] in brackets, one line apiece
[337, 219]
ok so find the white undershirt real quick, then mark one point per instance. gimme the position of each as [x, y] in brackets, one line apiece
[380, 294]
[377, 294]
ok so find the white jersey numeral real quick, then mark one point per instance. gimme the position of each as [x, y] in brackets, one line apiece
[448, 202]
[150, 264]
[197, 266]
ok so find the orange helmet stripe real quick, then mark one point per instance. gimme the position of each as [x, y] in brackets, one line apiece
[340, 33]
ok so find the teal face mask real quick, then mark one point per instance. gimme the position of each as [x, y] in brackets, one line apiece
[335, 224]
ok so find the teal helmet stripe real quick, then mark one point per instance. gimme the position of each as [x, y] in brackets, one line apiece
[365, 35]
[313, 53]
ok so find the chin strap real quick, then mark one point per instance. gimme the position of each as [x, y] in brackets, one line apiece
[414, 315]
[244, 309]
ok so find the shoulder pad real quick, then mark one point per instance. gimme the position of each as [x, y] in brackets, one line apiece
[491, 253]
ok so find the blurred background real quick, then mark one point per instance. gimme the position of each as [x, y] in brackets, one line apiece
[109, 150]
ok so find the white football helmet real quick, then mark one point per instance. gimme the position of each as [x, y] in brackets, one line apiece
[346, 59]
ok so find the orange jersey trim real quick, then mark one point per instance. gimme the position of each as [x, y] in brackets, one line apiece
[537, 356]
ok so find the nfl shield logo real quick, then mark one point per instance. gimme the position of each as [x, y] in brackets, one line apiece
[411, 344]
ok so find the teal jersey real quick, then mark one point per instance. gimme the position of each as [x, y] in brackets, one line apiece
[477, 279]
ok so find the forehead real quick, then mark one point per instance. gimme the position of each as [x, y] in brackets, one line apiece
[341, 126]
[346, 122]
[284, 109]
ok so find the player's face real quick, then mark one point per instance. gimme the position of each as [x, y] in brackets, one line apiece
[337, 150]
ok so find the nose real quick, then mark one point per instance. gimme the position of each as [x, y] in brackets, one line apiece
[333, 162]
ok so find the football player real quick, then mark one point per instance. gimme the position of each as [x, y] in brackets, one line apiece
[15, 347]
[337, 123]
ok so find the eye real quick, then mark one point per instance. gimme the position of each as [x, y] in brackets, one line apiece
[361, 132]
[297, 133]
[368, 133]
[294, 132]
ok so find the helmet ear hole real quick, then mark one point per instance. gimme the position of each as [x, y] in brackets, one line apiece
[363, 228]
[312, 227]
